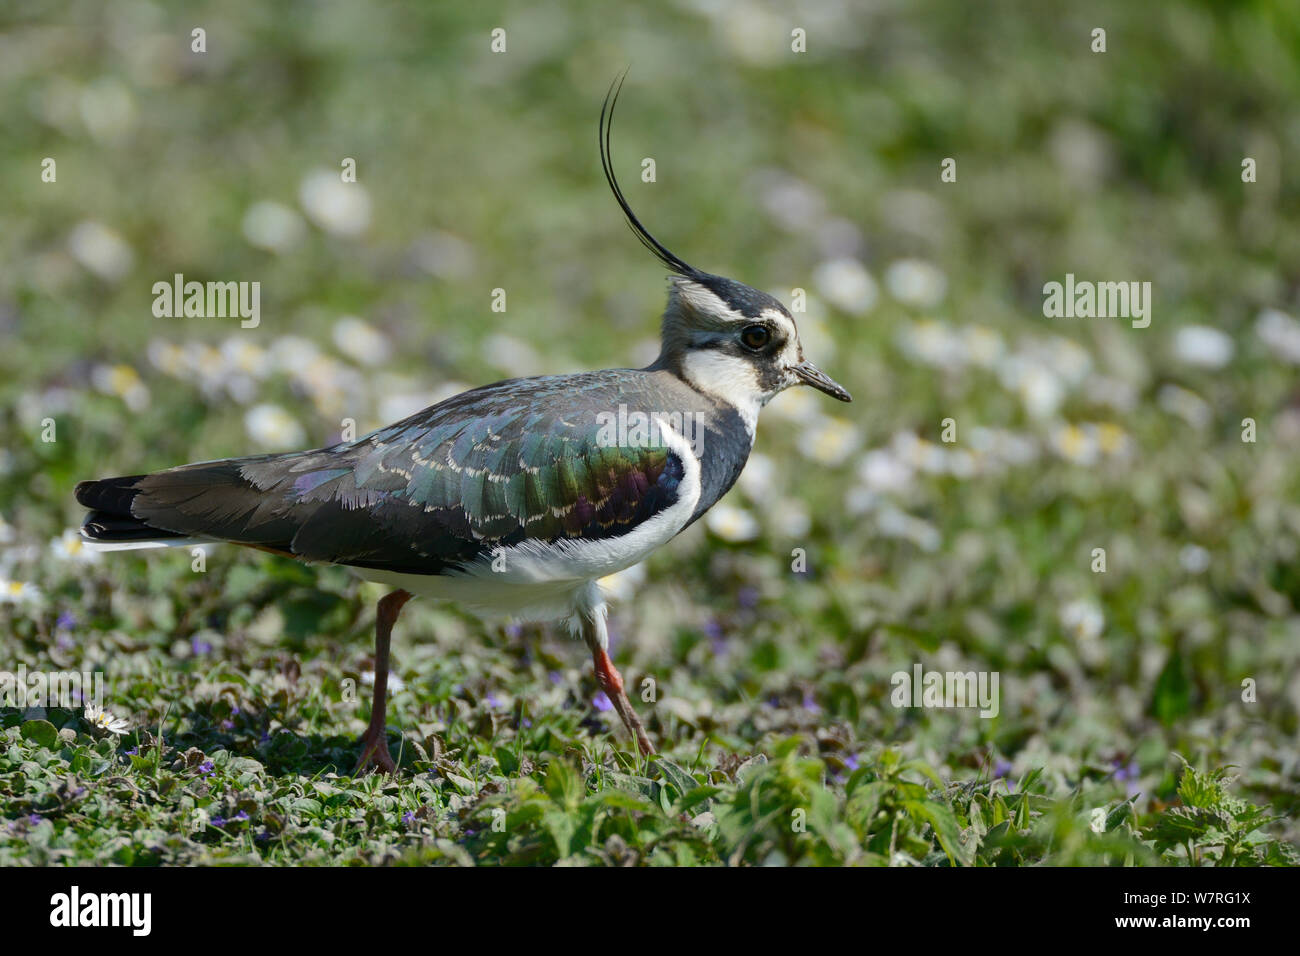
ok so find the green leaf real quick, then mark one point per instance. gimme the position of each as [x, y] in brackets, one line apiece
[1172, 698]
[682, 781]
[946, 829]
[40, 732]
[697, 797]
[560, 825]
[1179, 825]
[631, 783]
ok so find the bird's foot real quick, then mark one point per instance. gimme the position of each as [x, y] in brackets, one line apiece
[611, 682]
[374, 753]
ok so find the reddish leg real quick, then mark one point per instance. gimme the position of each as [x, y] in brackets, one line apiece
[611, 682]
[374, 742]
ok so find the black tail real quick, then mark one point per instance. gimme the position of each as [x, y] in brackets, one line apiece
[110, 518]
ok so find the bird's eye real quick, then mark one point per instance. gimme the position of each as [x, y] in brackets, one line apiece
[755, 337]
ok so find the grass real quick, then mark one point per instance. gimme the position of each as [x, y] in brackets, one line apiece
[1147, 711]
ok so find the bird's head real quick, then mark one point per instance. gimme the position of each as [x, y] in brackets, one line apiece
[719, 335]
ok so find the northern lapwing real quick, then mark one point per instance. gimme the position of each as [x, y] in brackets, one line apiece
[512, 498]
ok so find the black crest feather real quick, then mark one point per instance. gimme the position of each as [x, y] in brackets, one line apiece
[660, 251]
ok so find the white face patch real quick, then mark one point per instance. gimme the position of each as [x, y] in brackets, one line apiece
[706, 302]
[783, 323]
[728, 377]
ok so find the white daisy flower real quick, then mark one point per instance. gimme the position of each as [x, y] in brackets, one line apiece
[847, 285]
[798, 405]
[984, 346]
[395, 683]
[122, 381]
[893, 523]
[359, 340]
[270, 426]
[1186, 405]
[446, 256]
[1083, 620]
[883, 471]
[758, 478]
[790, 520]
[1280, 333]
[272, 226]
[1041, 392]
[342, 209]
[829, 441]
[935, 343]
[100, 719]
[70, 547]
[515, 356]
[1203, 346]
[916, 282]
[167, 357]
[245, 357]
[101, 250]
[288, 352]
[731, 523]
[19, 592]
[1194, 559]
[1075, 444]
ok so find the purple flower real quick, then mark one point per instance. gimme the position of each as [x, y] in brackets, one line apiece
[199, 646]
[809, 703]
[206, 767]
[408, 817]
[717, 637]
[1001, 767]
[851, 761]
[747, 597]
[602, 702]
[1123, 773]
[67, 621]
[555, 678]
[514, 631]
[133, 752]
[241, 815]
[34, 819]
[492, 701]
[218, 821]
[227, 725]
[1128, 775]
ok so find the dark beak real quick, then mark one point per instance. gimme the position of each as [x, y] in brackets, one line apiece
[810, 374]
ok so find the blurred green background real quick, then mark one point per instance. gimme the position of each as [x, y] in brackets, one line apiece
[817, 171]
